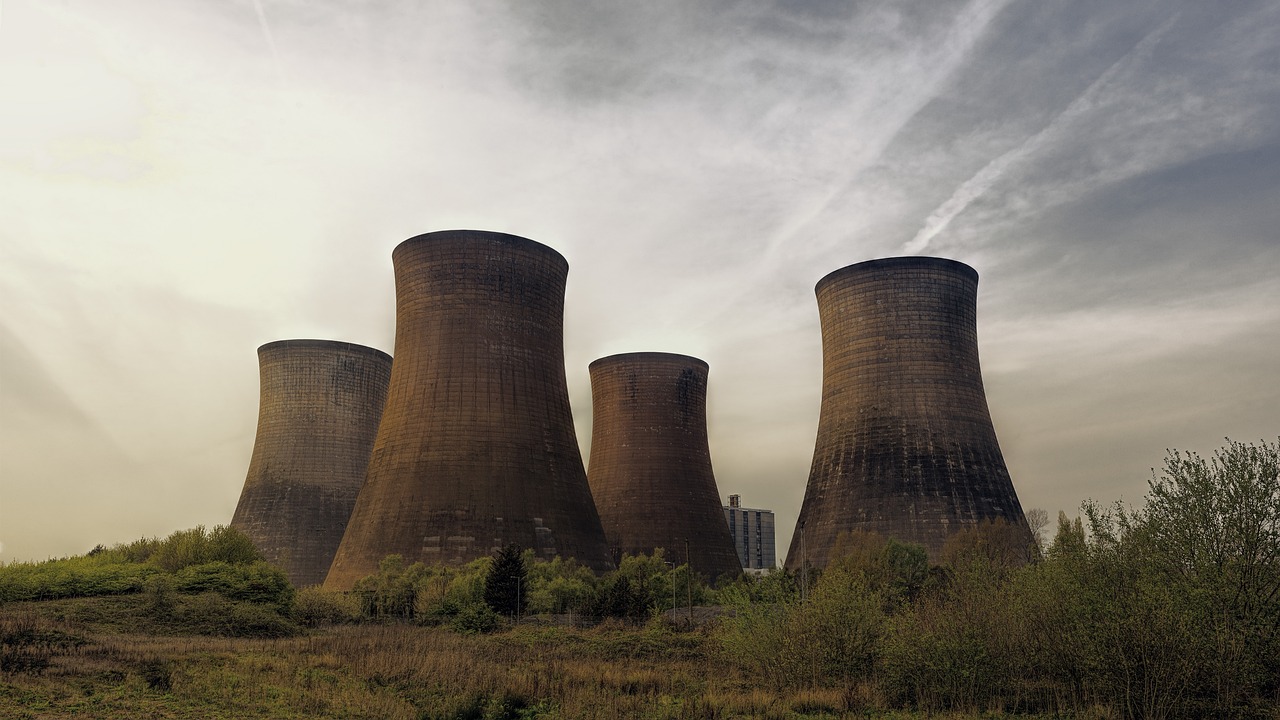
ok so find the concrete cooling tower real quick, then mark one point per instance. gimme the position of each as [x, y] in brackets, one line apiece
[317, 418]
[905, 443]
[477, 448]
[650, 467]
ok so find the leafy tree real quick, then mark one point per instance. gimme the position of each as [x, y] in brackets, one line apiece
[558, 586]
[506, 580]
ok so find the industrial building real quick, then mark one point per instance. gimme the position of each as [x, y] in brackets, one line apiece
[650, 469]
[318, 413]
[476, 448]
[905, 445]
[752, 530]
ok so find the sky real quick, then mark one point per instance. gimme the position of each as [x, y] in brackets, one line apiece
[181, 182]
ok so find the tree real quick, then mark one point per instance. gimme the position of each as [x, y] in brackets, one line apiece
[1198, 569]
[1214, 529]
[506, 579]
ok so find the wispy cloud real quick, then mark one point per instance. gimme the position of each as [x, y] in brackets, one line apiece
[271, 41]
[986, 178]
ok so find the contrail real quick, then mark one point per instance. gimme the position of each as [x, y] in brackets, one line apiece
[978, 185]
[971, 23]
[271, 41]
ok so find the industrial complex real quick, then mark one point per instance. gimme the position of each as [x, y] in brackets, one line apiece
[464, 443]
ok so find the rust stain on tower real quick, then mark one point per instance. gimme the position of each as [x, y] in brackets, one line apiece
[477, 447]
[317, 417]
[650, 467]
[905, 443]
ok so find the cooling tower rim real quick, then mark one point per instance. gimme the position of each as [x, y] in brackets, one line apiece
[318, 344]
[647, 357]
[441, 236]
[906, 262]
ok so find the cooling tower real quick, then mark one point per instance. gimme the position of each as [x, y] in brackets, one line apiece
[476, 448]
[905, 444]
[317, 417]
[650, 467]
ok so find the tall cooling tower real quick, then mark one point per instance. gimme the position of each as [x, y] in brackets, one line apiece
[317, 417]
[650, 467]
[477, 448]
[905, 443]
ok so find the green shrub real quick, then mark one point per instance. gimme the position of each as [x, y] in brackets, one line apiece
[257, 583]
[315, 607]
[198, 547]
[476, 618]
[213, 614]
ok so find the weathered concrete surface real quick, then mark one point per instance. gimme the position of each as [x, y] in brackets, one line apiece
[650, 469]
[317, 417]
[905, 444]
[477, 447]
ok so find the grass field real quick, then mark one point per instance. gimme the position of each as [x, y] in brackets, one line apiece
[96, 657]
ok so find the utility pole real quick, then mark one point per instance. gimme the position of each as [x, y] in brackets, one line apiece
[804, 567]
[672, 570]
[688, 581]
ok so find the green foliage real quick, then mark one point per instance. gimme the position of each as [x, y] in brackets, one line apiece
[949, 649]
[830, 640]
[506, 581]
[1189, 586]
[898, 572]
[125, 568]
[257, 583]
[557, 587]
[198, 547]
[419, 592]
[316, 607]
[212, 613]
[475, 618]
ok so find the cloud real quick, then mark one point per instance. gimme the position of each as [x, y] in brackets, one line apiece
[981, 183]
[171, 204]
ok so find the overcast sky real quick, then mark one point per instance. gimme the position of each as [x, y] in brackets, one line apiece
[181, 182]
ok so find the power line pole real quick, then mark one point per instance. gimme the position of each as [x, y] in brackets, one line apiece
[804, 567]
[688, 581]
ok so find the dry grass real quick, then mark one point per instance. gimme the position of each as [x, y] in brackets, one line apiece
[394, 671]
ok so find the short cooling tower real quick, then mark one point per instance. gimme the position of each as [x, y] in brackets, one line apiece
[477, 447]
[650, 467]
[317, 418]
[905, 443]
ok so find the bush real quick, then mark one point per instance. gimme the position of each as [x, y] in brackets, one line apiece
[127, 568]
[214, 614]
[475, 618]
[314, 607]
[198, 547]
[257, 583]
[831, 640]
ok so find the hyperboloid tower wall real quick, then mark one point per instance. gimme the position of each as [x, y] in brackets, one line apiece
[650, 466]
[477, 448]
[905, 443]
[317, 417]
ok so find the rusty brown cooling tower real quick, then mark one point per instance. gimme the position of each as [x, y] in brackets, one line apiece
[650, 467]
[317, 417]
[477, 447]
[905, 443]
